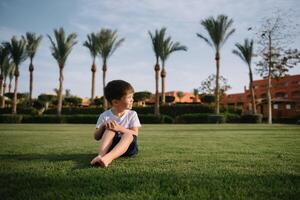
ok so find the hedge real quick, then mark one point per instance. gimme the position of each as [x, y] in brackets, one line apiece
[23, 111]
[200, 118]
[250, 118]
[80, 119]
[9, 118]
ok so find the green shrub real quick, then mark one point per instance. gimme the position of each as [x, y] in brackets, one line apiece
[10, 118]
[24, 111]
[153, 119]
[43, 119]
[217, 119]
[286, 120]
[232, 118]
[250, 118]
[193, 118]
[76, 111]
[81, 119]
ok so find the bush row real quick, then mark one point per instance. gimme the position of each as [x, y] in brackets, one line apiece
[170, 110]
[144, 118]
[77, 119]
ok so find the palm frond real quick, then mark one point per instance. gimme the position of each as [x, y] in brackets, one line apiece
[218, 30]
[62, 46]
[33, 42]
[92, 44]
[16, 49]
[245, 51]
[108, 42]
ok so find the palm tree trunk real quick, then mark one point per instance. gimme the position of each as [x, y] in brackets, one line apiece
[104, 69]
[14, 111]
[269, 97]
[1, 81]
[31, 68]
[9, 85]
[93, 69]
[3, 98]
[217, 93]
[252, 92]
[157, 69]
[163, 76]
[61, 79]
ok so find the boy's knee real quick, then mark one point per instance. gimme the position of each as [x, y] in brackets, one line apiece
[128, 135]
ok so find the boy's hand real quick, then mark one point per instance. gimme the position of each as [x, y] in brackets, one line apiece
[114, 126]
[95, 160]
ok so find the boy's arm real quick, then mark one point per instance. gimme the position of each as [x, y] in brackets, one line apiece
[118, 128]
[99, 132]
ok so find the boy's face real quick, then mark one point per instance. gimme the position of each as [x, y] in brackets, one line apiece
[125, 102]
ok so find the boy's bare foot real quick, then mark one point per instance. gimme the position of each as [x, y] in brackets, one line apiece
[104, 162]
[95, 161]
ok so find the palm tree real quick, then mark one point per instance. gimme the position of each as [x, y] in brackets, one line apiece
[108, 42]
[11, 76]
[245, 52]
[61, 49]
[157, 42]
[7, 68]
[219, 31]
[17, 51]
[168, 47]
[33, 42]
[3, 57]
[92, 44]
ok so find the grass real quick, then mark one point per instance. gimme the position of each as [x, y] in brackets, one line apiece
[175, 162]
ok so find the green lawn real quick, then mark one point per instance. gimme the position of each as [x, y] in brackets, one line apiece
[175, 162]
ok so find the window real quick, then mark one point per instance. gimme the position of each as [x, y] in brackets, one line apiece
[264, 95]
[275, 106]
[280, 95]
[296, 94]
[288, 106]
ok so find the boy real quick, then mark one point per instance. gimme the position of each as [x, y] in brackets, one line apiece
[118, 126]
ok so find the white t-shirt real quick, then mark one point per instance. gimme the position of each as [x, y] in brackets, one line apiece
[128, 120]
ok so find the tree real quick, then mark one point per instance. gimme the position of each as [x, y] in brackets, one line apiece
[196, 94]
[3, 57]
[11, 76]
[208, 98]
[245, 52]
[61, 48]
[17, 51]
[180, 95]
[168, 47]
[170, 99]
[276, 60]
[108, 42]
[208, 85]
[92, 44]
[7, 66]
[47, 99]
[219, 30]
[141, 96]
[157, 40]
[33, 42]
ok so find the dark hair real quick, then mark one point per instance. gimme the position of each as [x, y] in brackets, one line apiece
[117, 89]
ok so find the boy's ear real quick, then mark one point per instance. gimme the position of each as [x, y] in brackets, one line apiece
[114, 101]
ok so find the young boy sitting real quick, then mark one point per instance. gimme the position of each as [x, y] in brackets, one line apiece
[117, 127]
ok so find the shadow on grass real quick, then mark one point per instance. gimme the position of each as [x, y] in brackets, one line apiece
[81, 160]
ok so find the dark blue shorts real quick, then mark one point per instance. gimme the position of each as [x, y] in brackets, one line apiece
[132, 149]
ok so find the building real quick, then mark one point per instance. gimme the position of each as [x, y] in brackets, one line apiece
[285, 94]
[188, 97]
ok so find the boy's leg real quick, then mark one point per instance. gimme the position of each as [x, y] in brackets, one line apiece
[106, 142]
[118, 150]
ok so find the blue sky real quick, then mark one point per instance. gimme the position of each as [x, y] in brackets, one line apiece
[134, 60]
